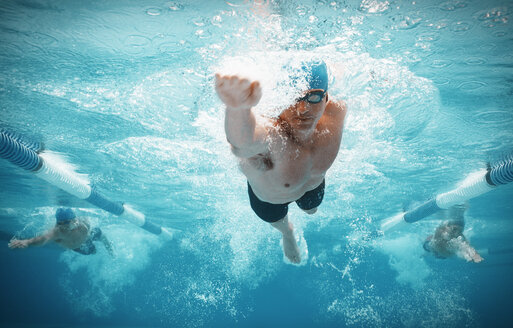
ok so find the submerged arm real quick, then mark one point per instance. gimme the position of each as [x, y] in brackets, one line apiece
[464, 250]
[36, 241]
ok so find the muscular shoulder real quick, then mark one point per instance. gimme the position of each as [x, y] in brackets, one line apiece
[55, 233]
[334, 116]
[336, 110]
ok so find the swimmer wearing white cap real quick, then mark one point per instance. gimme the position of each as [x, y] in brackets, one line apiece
[286, 158]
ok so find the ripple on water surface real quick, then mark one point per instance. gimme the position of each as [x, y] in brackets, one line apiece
[494, 117]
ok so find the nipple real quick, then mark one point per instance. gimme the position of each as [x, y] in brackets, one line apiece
[287, 185]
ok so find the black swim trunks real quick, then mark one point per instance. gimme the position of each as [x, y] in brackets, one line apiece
[88, 248]
[274, 212]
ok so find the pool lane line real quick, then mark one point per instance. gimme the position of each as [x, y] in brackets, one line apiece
[31, 157]
[473, 185]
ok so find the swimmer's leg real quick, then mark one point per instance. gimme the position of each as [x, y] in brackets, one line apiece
[97, 235]
[276, 215]
[311, 200]
[108, 245]
[87, 248]
[456, 215]
[311, 211]
[290, 248]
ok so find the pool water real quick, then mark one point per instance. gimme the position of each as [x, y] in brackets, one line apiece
[123, 90]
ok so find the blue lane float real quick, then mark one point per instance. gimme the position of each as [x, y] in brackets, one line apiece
[474, 185]
[30, 157]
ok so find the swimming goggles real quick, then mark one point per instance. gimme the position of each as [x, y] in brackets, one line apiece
[313, 97]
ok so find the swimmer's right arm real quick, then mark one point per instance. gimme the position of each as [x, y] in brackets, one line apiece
[468, 253]
[36, 241]
[244, 131]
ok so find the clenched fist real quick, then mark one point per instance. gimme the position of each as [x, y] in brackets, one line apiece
[238, 93]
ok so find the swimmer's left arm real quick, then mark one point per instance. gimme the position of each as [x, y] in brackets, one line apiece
[465, 251]
[36, 241]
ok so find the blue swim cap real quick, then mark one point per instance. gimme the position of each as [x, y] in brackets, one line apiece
[316, 74]
[64, 214]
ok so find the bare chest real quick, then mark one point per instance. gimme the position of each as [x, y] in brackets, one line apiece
[291, 166]
[72, 238]
[295, 164]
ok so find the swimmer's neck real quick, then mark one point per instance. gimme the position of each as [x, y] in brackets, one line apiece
[302, 136]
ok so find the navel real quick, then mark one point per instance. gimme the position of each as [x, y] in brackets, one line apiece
[287, 185]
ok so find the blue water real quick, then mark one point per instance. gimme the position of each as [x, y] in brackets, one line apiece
[124, 89]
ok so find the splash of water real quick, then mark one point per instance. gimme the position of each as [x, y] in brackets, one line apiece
[406, 260]
[64, 165]
[106, 276]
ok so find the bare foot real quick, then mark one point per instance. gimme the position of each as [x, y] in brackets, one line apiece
[290, 248]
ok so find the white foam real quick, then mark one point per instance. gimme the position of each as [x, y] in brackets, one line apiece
[406, 258]
[64, 165]
[273, 71]
[107, 276]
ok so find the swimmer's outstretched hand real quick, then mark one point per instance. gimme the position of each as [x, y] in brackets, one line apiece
[238, 93]
[16, 243]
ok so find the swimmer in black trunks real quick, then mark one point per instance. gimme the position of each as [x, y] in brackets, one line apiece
[286, 158]
[69, 232]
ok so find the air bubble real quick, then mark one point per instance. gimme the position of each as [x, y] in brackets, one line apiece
[154, 11]
[441, 63]
[475, 61]
[174, 6]
[461, 26]
[453, 5]
[494, 117]
[471, 85]
[406, 22]
[500, 34]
